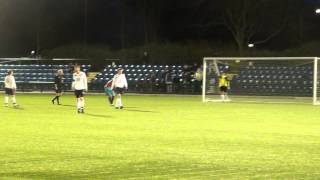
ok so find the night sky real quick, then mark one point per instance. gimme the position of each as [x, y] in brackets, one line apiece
[47, 24]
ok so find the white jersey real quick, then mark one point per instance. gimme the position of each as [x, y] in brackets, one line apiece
[119, 81]
[9, 82]
[80, 81]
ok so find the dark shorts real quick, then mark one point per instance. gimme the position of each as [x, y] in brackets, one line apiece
[9, 91]
[58, 91]
[119, 90]
[224, 89]
[79, 93]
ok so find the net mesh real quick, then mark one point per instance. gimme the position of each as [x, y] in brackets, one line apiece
[268, 79]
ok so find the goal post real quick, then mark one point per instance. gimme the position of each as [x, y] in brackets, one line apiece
[277, 78]
[316, 84]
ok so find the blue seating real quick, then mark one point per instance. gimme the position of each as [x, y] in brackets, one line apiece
[36, 72]
[270, 79]
[141, 73]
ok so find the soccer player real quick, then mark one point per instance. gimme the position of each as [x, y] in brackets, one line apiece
[224, 84]
[119, 84]
[109, 92]
[79, 85]
[58, 85]
[10, 89]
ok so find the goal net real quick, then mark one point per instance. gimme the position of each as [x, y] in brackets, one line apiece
[261, 79]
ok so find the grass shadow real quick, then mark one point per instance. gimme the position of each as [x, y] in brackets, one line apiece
[97, 115]
[128, 107]
[16, 108]
[136, 110]
[66, 105]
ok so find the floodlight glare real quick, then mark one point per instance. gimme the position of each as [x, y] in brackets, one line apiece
[250, 45]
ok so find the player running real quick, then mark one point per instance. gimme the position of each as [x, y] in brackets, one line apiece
[109, 92]
[58, 85]
[10, 89]
[79, 85]
[119, 85]
[224, 84]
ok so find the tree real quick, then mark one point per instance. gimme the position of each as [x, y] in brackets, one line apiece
[123, 23]
[246, 19]
[151, 11]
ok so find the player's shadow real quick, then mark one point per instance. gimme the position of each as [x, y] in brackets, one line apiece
[132, 107]
[136, 110]
[98, 115]
[18, 108]
[15, 108]
[66, 105]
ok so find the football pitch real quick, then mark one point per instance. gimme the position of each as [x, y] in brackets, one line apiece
[158, 137]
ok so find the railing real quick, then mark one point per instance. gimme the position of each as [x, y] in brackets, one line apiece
[139, 87]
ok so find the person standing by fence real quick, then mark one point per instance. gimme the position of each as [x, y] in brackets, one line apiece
[10, 89]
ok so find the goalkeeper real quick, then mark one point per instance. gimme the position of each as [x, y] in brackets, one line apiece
[224, 85]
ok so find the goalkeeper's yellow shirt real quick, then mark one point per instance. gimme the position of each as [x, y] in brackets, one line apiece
[223, 81]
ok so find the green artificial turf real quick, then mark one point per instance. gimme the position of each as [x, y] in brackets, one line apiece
[158, 137]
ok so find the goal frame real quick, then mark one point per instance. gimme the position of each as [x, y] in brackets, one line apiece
[315, 71]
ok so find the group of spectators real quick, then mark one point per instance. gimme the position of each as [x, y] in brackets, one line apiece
[171, 81]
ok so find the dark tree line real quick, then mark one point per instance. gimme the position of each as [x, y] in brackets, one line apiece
[120, 24]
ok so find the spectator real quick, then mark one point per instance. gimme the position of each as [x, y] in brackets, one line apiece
[169, 81]
[198, 80]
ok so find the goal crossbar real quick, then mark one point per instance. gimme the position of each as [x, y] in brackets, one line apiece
[259, 58]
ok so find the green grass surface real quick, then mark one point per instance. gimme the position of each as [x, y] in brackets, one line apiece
[158, 138]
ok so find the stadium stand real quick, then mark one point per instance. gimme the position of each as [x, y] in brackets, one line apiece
[274, 80]
[35, 76]
[151, 78]
[251, 80]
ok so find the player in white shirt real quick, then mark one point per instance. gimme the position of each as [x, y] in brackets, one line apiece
[119, 85]
[79, 85]
[10, 89]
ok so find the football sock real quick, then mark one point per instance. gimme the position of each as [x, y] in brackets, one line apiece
[82, 103]
[6, 99]
[110, 100]
[14, 101]
[58, 99]
[78, 103]
[222, 97]
[120, 102]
